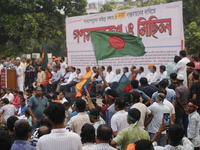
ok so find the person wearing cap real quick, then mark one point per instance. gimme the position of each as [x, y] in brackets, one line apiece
[193, 123]
[52, 64]
[132, 133]
[53, 82]
[126, 71]
[195, 88]
[95, 118]
[180, 67]
[182, 94]
[190, 70]
[36, 106]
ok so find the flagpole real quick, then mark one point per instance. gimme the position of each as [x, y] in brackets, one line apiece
[95, 54]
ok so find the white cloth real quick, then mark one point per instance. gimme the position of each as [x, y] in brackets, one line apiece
[193, 128]
[127, 74]
[163, 75]
[1, 67]
[140, 75]
[157, 110]
[8, 110]
[103, 146]
[79, 76]
[181, 68]
[97, 124]
[109, 76]
[9, 96]
[187, 145]
[169, 104]
[78, 121]
[63, 100]
[152, 77]
[119, 121]
[171, 90]
[63, 65]
[88, 146]
[144, 113]
[59, 139]
[20, 82]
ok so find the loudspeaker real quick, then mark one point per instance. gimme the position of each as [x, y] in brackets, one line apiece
[70, 97]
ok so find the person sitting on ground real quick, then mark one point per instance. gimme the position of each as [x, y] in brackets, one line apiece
[8, 95]
[104, 134]
[23, 107]
[132, 133]
[22, 130]
[16, 100]
[88, 136]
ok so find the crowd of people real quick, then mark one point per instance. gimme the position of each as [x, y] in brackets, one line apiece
[158, 110]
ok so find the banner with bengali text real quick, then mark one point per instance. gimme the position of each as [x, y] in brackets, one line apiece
[159, 26]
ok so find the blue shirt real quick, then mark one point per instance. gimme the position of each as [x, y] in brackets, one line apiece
[169, 97]
[23, 109]
[144, 96]
[22, 145]
[56, 76]
[67, 76]
[75, 113]
[109, 113]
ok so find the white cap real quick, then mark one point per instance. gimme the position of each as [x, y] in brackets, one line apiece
[180, 77]
[18, 58]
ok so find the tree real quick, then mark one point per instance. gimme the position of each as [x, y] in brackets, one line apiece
[23, 22]
[108, 6]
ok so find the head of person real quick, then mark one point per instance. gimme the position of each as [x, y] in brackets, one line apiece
[162, 68]
[5, 141]
[22, 129]
[53, 57]
[20, 94]
[66, 105]
[163, 83]
[27, 114]
[5, 101]
[193, 105]
[104, 133]
[87, 68]
[193, 58]
[161, 95]
[175, 134]
[143, 81]
[56, 60]
[110, 96]
[15, 92]
[55, 113]
[94, 69]
[173, 77]
[31, 62]
[180, 79]
[118, 71]
[150, 67]
[10, 123]
[28, 92]
[132, 68]
[134, 84]
[80, 105]
[38, 92]
[78, 70]
[119, 103]
[43, 130]
[153, 69]
[8, 90]
[133, 116]
[61, 95]
[88, 133]
[7, 59]
[125, 69]
[73, 69]
[3, 91]
[141, 145]
[109, 68]
[102, 68]
[135, 97]
[39, 69]
[177, 59]
[195, 76]
[56, 68]
[190, 67]
[94, 115]
[182, 53]
[141, 69]
[22, 101]
[62, 59]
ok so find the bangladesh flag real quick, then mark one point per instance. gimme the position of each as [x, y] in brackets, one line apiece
[122, 85]
[116, 44]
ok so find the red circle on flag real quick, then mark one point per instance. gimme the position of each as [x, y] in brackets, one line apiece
[116, 42]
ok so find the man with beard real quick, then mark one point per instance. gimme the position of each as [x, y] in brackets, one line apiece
[36, 106]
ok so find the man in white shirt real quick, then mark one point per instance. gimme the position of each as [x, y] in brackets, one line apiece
[116, 79]
[140, 74]
[158, 109]
[63, 65]
[8, 95]
[181, 67]
[62, 97]
[59, 138]
[152, 77]
[163, 73]
[19, 72]
[81, 118]
[125, 71]
[119, 119]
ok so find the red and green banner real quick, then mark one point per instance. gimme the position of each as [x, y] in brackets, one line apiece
[116, 44]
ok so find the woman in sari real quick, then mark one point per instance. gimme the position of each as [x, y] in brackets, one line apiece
[30, 73]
